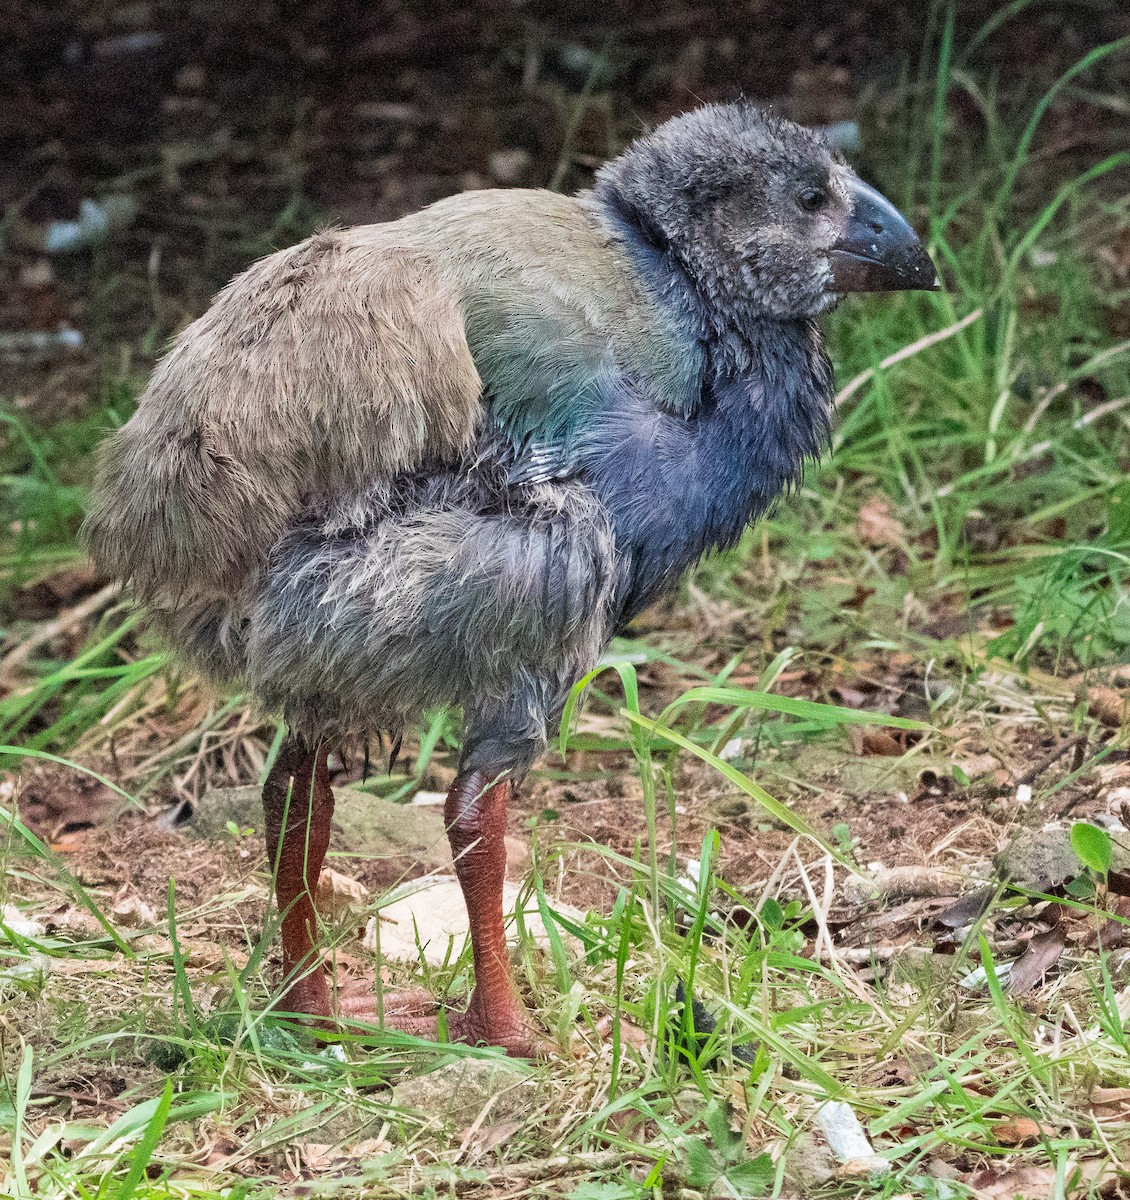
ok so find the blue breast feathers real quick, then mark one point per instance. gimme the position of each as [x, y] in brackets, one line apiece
[678, 486]
[687, 426]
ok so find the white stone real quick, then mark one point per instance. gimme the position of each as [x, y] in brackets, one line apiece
[428, 798]
[431, 911]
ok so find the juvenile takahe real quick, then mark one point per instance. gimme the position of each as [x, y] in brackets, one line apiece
[443, 460]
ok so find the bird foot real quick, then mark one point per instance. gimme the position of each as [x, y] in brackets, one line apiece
[505, 1024]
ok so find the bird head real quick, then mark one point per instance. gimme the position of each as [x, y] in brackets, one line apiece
[765, 218]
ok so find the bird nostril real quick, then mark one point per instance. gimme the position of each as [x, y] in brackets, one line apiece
[876, 227]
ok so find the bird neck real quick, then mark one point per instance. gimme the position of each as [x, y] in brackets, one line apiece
[677, 486]
[727, 332]
[679, 483]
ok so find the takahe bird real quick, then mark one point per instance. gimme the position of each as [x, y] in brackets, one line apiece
[443, 460]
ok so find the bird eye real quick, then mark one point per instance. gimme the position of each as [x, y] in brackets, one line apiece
[812, 199]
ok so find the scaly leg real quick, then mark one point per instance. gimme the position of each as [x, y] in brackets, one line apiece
[298, 805]
[475, 814]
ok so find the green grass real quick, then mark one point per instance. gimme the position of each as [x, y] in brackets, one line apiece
[1002, 452]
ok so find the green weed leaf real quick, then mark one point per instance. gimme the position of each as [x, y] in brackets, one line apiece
[1092, 847]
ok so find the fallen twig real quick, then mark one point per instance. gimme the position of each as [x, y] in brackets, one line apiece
[923, 343]
[1051, 757]
[67, 619]
[564, 1164]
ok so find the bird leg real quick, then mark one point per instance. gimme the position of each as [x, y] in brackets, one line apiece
[298, 804]
[475, 815]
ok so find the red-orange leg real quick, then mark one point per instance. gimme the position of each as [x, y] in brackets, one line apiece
[298, 805]
[475, 813]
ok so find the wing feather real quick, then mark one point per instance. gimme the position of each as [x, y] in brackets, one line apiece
[322, 369]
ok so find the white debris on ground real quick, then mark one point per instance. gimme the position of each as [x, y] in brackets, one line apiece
[18, 923]
[429, 914]
[848, 1141]
[429, 798]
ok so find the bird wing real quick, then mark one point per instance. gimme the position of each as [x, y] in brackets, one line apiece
[558, 318]
[322, 369]
[329, 368]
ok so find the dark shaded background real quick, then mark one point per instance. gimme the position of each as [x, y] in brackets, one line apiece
[238, 127]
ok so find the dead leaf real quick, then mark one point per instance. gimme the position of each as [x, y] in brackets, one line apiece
[630, 1033]
[852, 697]
[1043, 950]
[338, 895]
[131, 912]
[79, 922]
[1021, 1183]
[368, 1147]
[977, 765]
[1018, 1131]
[966, 909]
[861, 1168]
[496, 1134]
[892, 1072]
[202, 954]
[871, 740]
[316, 1156]
[1110, 1104]
[1109, 706]
[877, 525]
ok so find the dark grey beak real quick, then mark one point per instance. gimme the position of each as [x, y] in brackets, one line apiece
[878, 251]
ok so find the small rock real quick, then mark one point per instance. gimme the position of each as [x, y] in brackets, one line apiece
[362, 824]
[457, 1093]
[432, 913]
[510, 166]
[1041, 858]
[810, 1164]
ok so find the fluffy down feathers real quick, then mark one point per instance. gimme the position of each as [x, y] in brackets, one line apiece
[320, 369]
[344, 361]
[441, 460]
